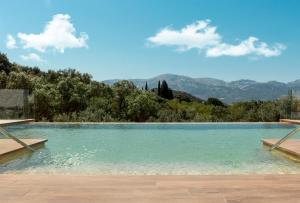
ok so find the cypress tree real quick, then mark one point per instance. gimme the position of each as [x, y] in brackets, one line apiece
[158, 88]
[146, 86]
[171, 96]
[164, 90]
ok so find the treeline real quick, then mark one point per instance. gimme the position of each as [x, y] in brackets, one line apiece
[67, 95]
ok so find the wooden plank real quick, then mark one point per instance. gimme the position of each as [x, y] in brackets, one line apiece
[13, 122]
[61, 188]
[290, 147]
[290, 121]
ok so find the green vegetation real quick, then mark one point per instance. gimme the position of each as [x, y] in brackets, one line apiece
[67, 95]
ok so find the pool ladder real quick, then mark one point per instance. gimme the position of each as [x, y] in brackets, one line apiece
[279, 142]
[7, 134]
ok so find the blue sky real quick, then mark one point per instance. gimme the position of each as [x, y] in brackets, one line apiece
[225, 39]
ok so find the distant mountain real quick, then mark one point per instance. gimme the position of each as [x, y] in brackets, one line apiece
[240, 90]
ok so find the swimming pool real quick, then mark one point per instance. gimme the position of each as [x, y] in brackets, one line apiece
[152, 149]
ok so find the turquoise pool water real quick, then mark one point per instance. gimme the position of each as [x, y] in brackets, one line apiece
[152, 149]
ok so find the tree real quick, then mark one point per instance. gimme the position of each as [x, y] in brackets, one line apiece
[141, 106]
[31, 71]
[219, 114]
[158, 88]
[146, 86]
[290, 103]
[5, 65]
[46, 100]
[121, 90]
[73, 94]
[164, 89]
[171, 96]
[3, 79]
[269, 111]
[99, 89]
[214, 102]
[165, 92]
[18, 81]
[99, 110]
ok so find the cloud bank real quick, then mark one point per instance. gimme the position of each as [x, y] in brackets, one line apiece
[204, 37]
[58, 34]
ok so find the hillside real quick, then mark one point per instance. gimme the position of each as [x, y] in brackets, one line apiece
[240, 90]
[70, 96]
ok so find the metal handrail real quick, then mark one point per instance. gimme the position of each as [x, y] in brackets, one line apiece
[279, 142]
[7, 134]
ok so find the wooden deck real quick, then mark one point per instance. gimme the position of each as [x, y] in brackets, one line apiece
[12, 122]
[290, 121]
[21, 188]
[10, 149]
[290, 147]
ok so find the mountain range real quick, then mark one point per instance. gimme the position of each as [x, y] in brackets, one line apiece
[228, 92]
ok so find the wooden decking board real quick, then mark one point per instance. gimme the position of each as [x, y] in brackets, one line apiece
[290, 121]
[39, 188]
[13, 122]
[9, 149]
[290, 147]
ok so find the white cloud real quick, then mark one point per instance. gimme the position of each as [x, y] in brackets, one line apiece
[11, 42]
[197, 35]
[58, 34]
[202, 36]
[250, 46]
[32, 57]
